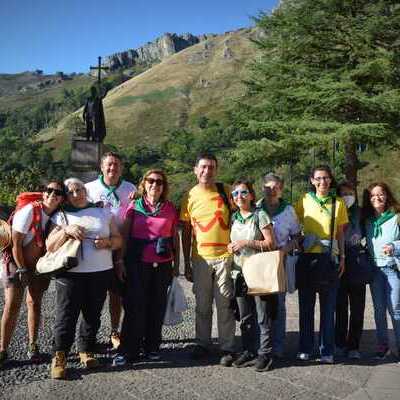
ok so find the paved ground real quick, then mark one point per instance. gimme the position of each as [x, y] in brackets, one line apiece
[177, 377]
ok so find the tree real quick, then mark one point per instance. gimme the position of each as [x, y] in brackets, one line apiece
[328, 70]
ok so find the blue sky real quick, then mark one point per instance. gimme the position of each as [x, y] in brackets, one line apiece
[69, 35]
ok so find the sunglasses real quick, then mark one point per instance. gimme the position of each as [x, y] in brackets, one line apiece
[158, 182]
[51, 190]
[242, 193]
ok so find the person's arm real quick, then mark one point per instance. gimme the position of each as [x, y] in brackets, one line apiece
[341, 245]
[17, 251]
[59, 235]
[176, 246]
[114, 242]
[186, 248]
[267, 244]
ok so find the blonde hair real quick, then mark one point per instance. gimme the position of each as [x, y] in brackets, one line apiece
[165, 191]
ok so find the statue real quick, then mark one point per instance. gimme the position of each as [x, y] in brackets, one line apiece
[93, 116]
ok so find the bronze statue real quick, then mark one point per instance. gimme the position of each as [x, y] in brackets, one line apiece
[93, 116]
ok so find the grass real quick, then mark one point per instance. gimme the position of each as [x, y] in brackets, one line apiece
[150, 98]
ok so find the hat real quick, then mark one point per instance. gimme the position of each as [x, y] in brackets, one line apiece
[5, 235]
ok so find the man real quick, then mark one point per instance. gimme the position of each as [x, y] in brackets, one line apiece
[205, 213]
[116, 194]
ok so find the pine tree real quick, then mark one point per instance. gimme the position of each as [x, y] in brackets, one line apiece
[328, 70]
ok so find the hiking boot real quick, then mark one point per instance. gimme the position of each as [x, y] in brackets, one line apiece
[326, 360]
[58, 365]
[3, 358]
[199, 353]
[382, 353]
[88, 360]
[353, 355]
[226, 359]
[115, 340]
[246, 359]
[153, 356]
[263, 363]
[119, 360]
[33, 353]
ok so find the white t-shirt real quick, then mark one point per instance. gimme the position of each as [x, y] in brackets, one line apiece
[22, 222]
[97, 222]
[285, 225]
[96, 191]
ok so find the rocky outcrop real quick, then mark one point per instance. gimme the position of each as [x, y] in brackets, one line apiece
[164, 46]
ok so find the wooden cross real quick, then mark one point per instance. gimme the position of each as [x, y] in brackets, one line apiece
[99, 68]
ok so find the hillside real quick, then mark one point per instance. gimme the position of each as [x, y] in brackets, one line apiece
[198, 81]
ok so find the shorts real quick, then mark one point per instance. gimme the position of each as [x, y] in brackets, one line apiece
[8, 277]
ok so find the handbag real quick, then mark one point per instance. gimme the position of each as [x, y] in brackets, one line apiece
[63, 259]
[318, 270]
[264, 273]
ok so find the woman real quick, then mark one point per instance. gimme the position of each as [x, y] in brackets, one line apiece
[82, 288]
[152, 259]
[26, 250]
[380, 214]
[318, 269]
[251, 231]
[286, 230]
[352, 286]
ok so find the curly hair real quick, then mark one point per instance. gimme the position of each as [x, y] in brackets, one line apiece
[164, 193]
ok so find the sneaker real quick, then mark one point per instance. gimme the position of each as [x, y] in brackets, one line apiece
[353, 355]
[119, 360]
[88, 360]
[58, 365]
[34, 354]
[303, 356]
[115, 340]
[3, 358]
[340, 352]
[199, 352]
[263, 363]
[153, 356]
[382, 353]
[226, 359]
[246, 359]
[326, 360]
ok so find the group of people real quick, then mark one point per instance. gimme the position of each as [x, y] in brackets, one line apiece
[130, 248]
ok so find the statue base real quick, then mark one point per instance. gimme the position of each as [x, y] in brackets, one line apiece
[85, 159]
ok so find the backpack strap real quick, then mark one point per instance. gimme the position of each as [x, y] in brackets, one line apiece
[36, 226]
[332, 225]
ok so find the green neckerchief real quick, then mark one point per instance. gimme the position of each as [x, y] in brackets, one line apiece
[322, 201]
[378, 221]
[111, 190]
[282, 205]
[140, 208]
[71, 208]
[239, 217]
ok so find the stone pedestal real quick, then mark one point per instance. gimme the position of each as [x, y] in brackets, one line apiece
[85, 159]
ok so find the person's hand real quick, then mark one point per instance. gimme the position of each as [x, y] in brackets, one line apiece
[131, 196]
[388, 249]
[189, 273]
[238, 245]
[102, 243]
[75, 231]
[342, 267]
[229, 247]
[355, 239]
[120, 270]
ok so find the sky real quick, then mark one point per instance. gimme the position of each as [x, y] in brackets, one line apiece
[69, 35]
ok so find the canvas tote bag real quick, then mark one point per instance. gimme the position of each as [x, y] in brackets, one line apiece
[265, 273]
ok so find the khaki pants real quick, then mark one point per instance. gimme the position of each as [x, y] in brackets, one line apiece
[212, 280]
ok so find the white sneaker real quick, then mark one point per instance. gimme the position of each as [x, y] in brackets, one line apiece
[354, 355]
[326, 360]
[303, 356]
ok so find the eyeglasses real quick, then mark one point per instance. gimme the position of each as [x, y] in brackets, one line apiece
[242, 193]
[322, 178]
[77, 191]
[51, 190]
[158, 182]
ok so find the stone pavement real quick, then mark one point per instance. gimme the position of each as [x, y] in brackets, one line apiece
[178, 377]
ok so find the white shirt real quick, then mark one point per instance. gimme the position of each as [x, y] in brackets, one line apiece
[96, 191]
[96, 222]
[285, 224]
[22, 222]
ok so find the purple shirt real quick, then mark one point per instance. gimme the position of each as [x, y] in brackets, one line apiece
[152, 227]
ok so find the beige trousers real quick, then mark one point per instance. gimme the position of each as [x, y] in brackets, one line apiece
[212, 281]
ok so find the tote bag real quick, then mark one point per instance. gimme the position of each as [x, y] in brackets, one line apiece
[264, 273]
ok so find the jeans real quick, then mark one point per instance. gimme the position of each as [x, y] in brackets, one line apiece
[267, 307]
[76, 293]
[348, 331]
[279, 326]
[145, 302]
[327, 301]
[385, 291]
[248, 323]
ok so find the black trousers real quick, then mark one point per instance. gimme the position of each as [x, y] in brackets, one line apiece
[76, 293]
[145, 302]
[348, 328]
